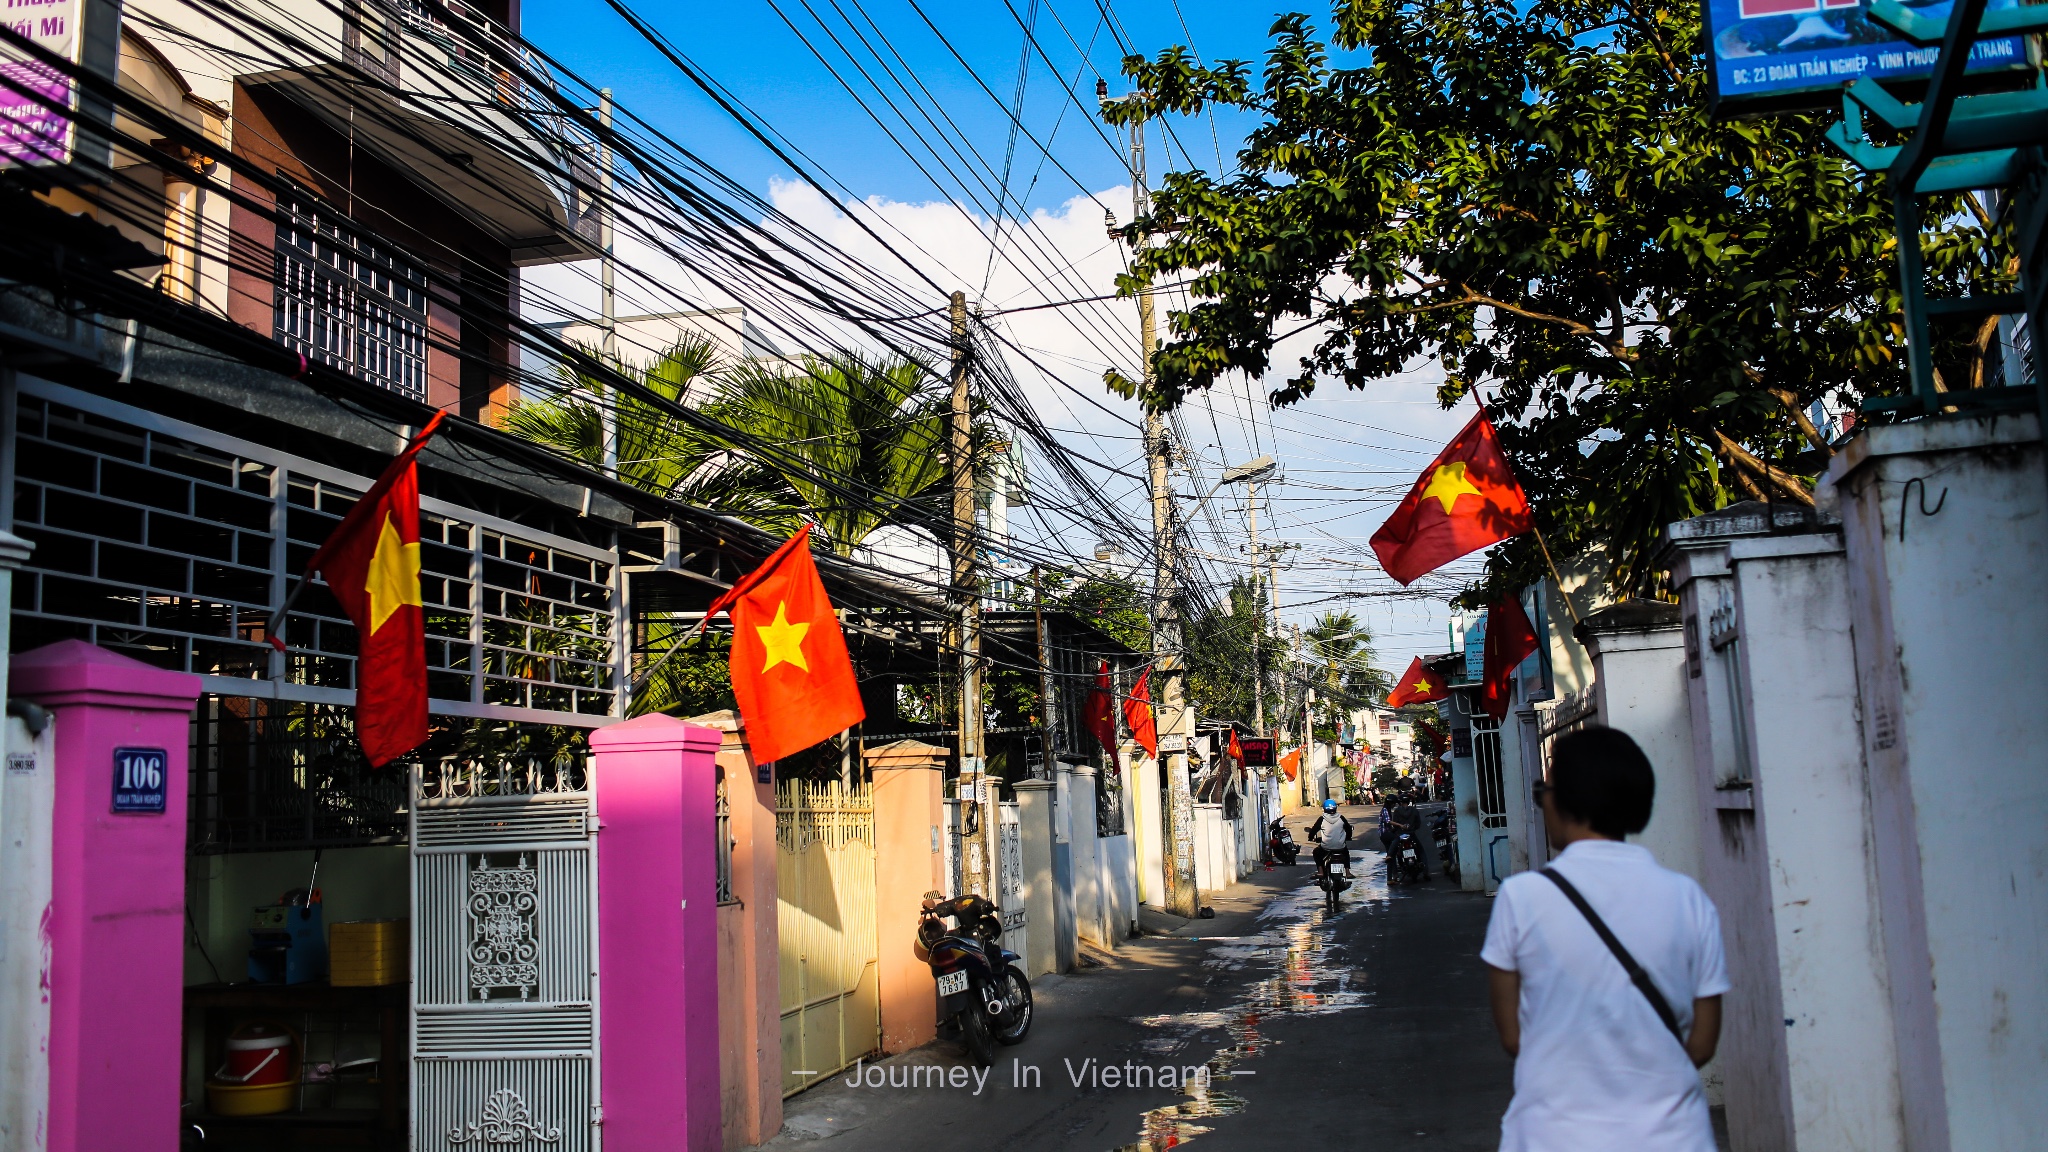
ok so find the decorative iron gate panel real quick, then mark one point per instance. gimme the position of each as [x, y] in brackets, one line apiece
[504, 959]
[1010, 884]
[825, 878]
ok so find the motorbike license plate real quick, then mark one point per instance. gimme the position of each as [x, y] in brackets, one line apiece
[952, 982]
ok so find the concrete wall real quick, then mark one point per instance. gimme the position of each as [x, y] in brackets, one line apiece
[1639, 688]
[1735, 871]
[909, 791]
[1808, 1057]
[1041, 895]
[1148, 817]
[1088, 887]
[1946, 527]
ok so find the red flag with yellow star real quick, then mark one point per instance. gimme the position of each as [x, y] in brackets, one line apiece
[371, 563]
[1418, 686]
[791, 674]
[1465, 500]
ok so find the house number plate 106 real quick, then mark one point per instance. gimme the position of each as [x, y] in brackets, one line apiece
[139, 779]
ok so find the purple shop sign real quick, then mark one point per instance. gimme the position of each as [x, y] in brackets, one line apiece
[36, 102]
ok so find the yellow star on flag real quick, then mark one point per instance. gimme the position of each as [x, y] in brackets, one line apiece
[394, 575]
[781, 641]
[1422, 685]
[1448, 483]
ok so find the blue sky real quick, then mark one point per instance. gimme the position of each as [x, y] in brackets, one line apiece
[749, 48]
[1347, 455]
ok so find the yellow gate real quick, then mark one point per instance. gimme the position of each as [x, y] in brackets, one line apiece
[825, 877]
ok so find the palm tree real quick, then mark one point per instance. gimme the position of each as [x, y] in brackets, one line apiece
[657, 451]
[846, 441]
[1340, 656]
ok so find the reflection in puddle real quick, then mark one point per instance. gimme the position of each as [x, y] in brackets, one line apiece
[1308, 977]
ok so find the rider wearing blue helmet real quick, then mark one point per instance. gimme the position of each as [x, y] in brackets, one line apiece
[1330, 833]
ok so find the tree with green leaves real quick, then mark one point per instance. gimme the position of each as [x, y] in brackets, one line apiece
[1231, 654]
[1534, 196]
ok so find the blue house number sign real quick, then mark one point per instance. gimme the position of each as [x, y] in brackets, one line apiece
[139, 780]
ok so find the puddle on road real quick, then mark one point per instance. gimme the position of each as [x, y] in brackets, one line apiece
[1307, 977]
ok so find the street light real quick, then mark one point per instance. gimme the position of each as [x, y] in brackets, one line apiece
[1250, 471]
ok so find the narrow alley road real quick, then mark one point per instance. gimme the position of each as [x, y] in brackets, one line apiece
[1313, 1031]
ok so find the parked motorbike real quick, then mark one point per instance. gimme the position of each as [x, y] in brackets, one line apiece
[1404, 859]
[1444, 830]
[1333, 875]
[1280, 845]
[982, 990]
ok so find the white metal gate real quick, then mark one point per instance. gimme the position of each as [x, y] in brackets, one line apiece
[504, 964]
[1010, 882]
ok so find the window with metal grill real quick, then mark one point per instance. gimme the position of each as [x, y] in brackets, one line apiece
[348, 300]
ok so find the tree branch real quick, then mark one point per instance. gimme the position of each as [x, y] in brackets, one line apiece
[1742, 461]
[1615, 349]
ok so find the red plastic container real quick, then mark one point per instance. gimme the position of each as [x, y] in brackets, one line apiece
[258, 1054]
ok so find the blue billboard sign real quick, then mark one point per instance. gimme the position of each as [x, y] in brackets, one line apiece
[1772, 55]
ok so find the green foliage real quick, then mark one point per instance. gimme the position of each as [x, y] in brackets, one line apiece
[1232, 653]
[1534, 195]
[1112, 603]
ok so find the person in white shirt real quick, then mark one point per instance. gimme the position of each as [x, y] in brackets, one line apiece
[1598, 1066]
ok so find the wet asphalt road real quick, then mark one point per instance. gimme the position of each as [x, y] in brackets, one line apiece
[1366, 1029]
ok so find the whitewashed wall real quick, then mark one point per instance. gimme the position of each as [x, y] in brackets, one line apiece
[1946, 527]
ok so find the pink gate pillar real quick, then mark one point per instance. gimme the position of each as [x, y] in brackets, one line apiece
[117, 894]
[657, 934]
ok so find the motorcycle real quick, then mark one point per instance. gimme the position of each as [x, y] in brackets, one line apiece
[1333, 875]
[981, 989]
[1444, 831]
[1280, 845]
[1404, 860]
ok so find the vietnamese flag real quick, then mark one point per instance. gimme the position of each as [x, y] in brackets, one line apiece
[1465, 500]
[1509, 641]
[1138, 715]
[790, 671]
[1100, 715]
[371, 563]
[1418, 686]
[1291, 763]
[1235, 750]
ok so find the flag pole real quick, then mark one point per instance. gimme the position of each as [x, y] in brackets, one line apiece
[276, 623]
[1554, 577]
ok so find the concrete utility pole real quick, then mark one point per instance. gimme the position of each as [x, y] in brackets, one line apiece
[607, 293]
[974, 785]
[1258, 677]
[1176, 721]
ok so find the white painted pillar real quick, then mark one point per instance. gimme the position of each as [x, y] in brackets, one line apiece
[1945, 522]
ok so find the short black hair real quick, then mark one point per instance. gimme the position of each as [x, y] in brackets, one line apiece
[1598, 775]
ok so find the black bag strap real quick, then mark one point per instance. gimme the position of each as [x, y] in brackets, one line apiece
[1635, 971]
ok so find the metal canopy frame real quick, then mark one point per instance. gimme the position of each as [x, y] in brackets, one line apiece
[1957, 143]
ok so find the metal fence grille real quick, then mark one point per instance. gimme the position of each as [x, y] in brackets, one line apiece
[1493, 801]
[174, 549]
[269, 774]
[348, 301]
[724, 845]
